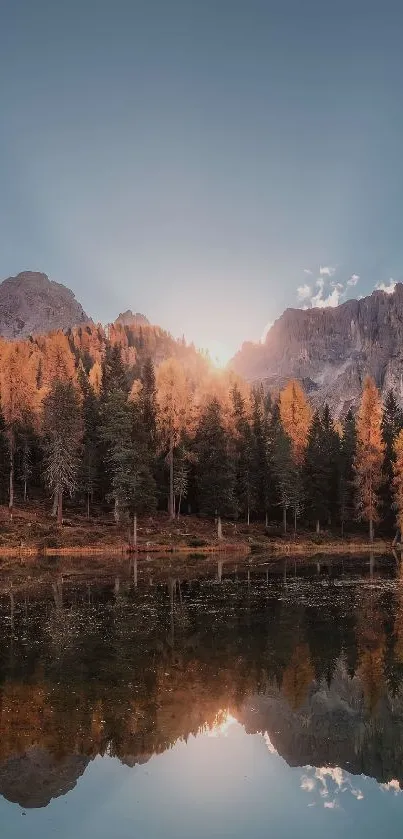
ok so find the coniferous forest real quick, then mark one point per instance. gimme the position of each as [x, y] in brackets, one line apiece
[129, 422]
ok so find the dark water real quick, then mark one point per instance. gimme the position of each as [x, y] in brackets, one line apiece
[219, 702]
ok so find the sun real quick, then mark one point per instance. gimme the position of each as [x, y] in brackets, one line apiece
[219, 354]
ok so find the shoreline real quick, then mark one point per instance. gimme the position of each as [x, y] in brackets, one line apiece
[274, 547]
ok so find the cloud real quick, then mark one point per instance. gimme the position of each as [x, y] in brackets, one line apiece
[353, 279]
[267, 328]
[327, 271]
[324, 298]
[304, 291]
[308, 271]
[388, 289]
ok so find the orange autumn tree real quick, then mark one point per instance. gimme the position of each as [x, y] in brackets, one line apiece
[296, 416]
[174, 403]
[369, 455]
[18, 398]
[398, 480]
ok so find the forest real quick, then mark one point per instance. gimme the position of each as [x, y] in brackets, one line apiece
[128, 421]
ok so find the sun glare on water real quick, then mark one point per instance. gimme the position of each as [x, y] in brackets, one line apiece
[222, 723]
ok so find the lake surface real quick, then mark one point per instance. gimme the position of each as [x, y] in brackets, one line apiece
[221, 701]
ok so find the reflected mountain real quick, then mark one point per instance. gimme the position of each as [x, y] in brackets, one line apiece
[127, 668]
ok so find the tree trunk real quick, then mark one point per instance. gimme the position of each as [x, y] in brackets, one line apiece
[11, 494]
[179, 504]
[295, 521]
[171, 482]
[60, 507]
[116, 511]
[317, 527]
[285, 520]
[25, 490]
[88, 505]
[248, 517]
[134, 530]
[342, 528]
[219, 527]
[371, 530]
[266, 520]
[54, 505]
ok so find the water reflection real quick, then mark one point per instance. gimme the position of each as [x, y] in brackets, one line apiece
[310, 656]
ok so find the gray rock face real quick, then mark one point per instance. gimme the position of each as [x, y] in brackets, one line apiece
[30, 303]
[332, 349]
[35, 777]
[129, 319]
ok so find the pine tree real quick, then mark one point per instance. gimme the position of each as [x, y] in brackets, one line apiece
[296, 415]
[113, 371]
[320, 469]
[243, 455]
[392, 424]
[148, 403]
[215, 472]
[348, 446]
[90, 460]
[127, 457]
[63, 430]
[174, 406]
[262, 452]
[369, 455]
[287, 475]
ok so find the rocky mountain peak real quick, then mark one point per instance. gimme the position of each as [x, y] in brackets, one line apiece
[30, 303]
[332, 349]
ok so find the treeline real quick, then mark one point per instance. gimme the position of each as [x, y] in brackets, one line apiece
[98, 423]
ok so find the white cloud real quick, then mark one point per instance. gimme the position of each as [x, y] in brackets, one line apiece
[327, 271]
[322, 299]
[388, 289]
[267, 328]
[308, 271]
[304, 291]
[353, 279]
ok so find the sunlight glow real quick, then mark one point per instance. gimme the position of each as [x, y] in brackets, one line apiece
[219, 354]
[222, 723]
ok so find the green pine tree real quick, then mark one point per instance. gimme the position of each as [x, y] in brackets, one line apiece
[215, 477]
[63, 430]
[243, 456]
[392, 424]
[348, 446]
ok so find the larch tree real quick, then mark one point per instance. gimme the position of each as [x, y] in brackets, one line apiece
[369, 455]
[63, 431]
[296, 416]
[174, 408]
[18, 399]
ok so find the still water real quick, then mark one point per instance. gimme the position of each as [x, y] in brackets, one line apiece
[221, 701]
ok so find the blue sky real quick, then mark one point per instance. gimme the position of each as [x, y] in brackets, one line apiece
[195, 160]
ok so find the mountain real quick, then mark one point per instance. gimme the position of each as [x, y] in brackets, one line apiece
[332, 349]
[30, 303]
[129, 319]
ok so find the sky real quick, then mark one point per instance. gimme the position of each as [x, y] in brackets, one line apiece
[205, 162]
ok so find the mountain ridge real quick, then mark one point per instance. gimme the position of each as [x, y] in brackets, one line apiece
[332, 349]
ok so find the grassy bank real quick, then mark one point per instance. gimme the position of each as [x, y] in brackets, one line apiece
[33, 532]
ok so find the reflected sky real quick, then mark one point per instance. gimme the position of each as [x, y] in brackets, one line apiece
[222, 702]
[228, 785]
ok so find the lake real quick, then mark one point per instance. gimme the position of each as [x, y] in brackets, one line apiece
[221, 699]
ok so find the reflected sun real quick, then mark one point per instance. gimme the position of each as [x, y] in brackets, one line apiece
[222, 723]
